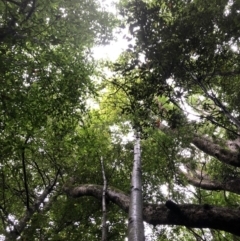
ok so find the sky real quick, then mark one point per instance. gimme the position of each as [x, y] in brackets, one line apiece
[113, 50]
[116, 47]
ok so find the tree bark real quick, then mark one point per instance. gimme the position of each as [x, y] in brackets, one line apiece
[135, 215]
[189, 215]
[222, 154]
[225, 153]
[104, 208]
[205, 182]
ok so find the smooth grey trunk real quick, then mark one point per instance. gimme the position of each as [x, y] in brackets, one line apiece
[135, 215]
[104, 208]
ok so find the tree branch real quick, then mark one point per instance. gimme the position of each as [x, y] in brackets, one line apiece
[189, 215]
[222, 154]
[216, 101]
[25, 174]
[227, 153]
[14, 2]
[22, 223]
[206, 182]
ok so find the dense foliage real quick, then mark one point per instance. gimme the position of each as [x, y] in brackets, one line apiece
[178, 84]
[182, 77]
[45, 73]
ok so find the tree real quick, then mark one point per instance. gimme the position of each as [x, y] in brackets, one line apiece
[45, 81]
[190, 52]
[185, 60]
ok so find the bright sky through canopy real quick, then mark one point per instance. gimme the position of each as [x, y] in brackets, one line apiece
[116, 47]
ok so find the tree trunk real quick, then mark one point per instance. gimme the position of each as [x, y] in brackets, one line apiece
[135, 216]
[104, 208]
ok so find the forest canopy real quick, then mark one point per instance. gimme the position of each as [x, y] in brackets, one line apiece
[177, 84]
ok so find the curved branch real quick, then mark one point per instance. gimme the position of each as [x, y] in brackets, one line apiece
[205, 182]
[229, 154]
[222, 154]
[189, 215]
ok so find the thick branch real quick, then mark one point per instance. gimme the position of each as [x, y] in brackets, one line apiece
[229, 154]
[222, 154]
[189, 215]
[205, 182]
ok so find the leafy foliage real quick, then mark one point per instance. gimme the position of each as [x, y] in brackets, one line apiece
[46, 70]
[182, 76]
[178, 84]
